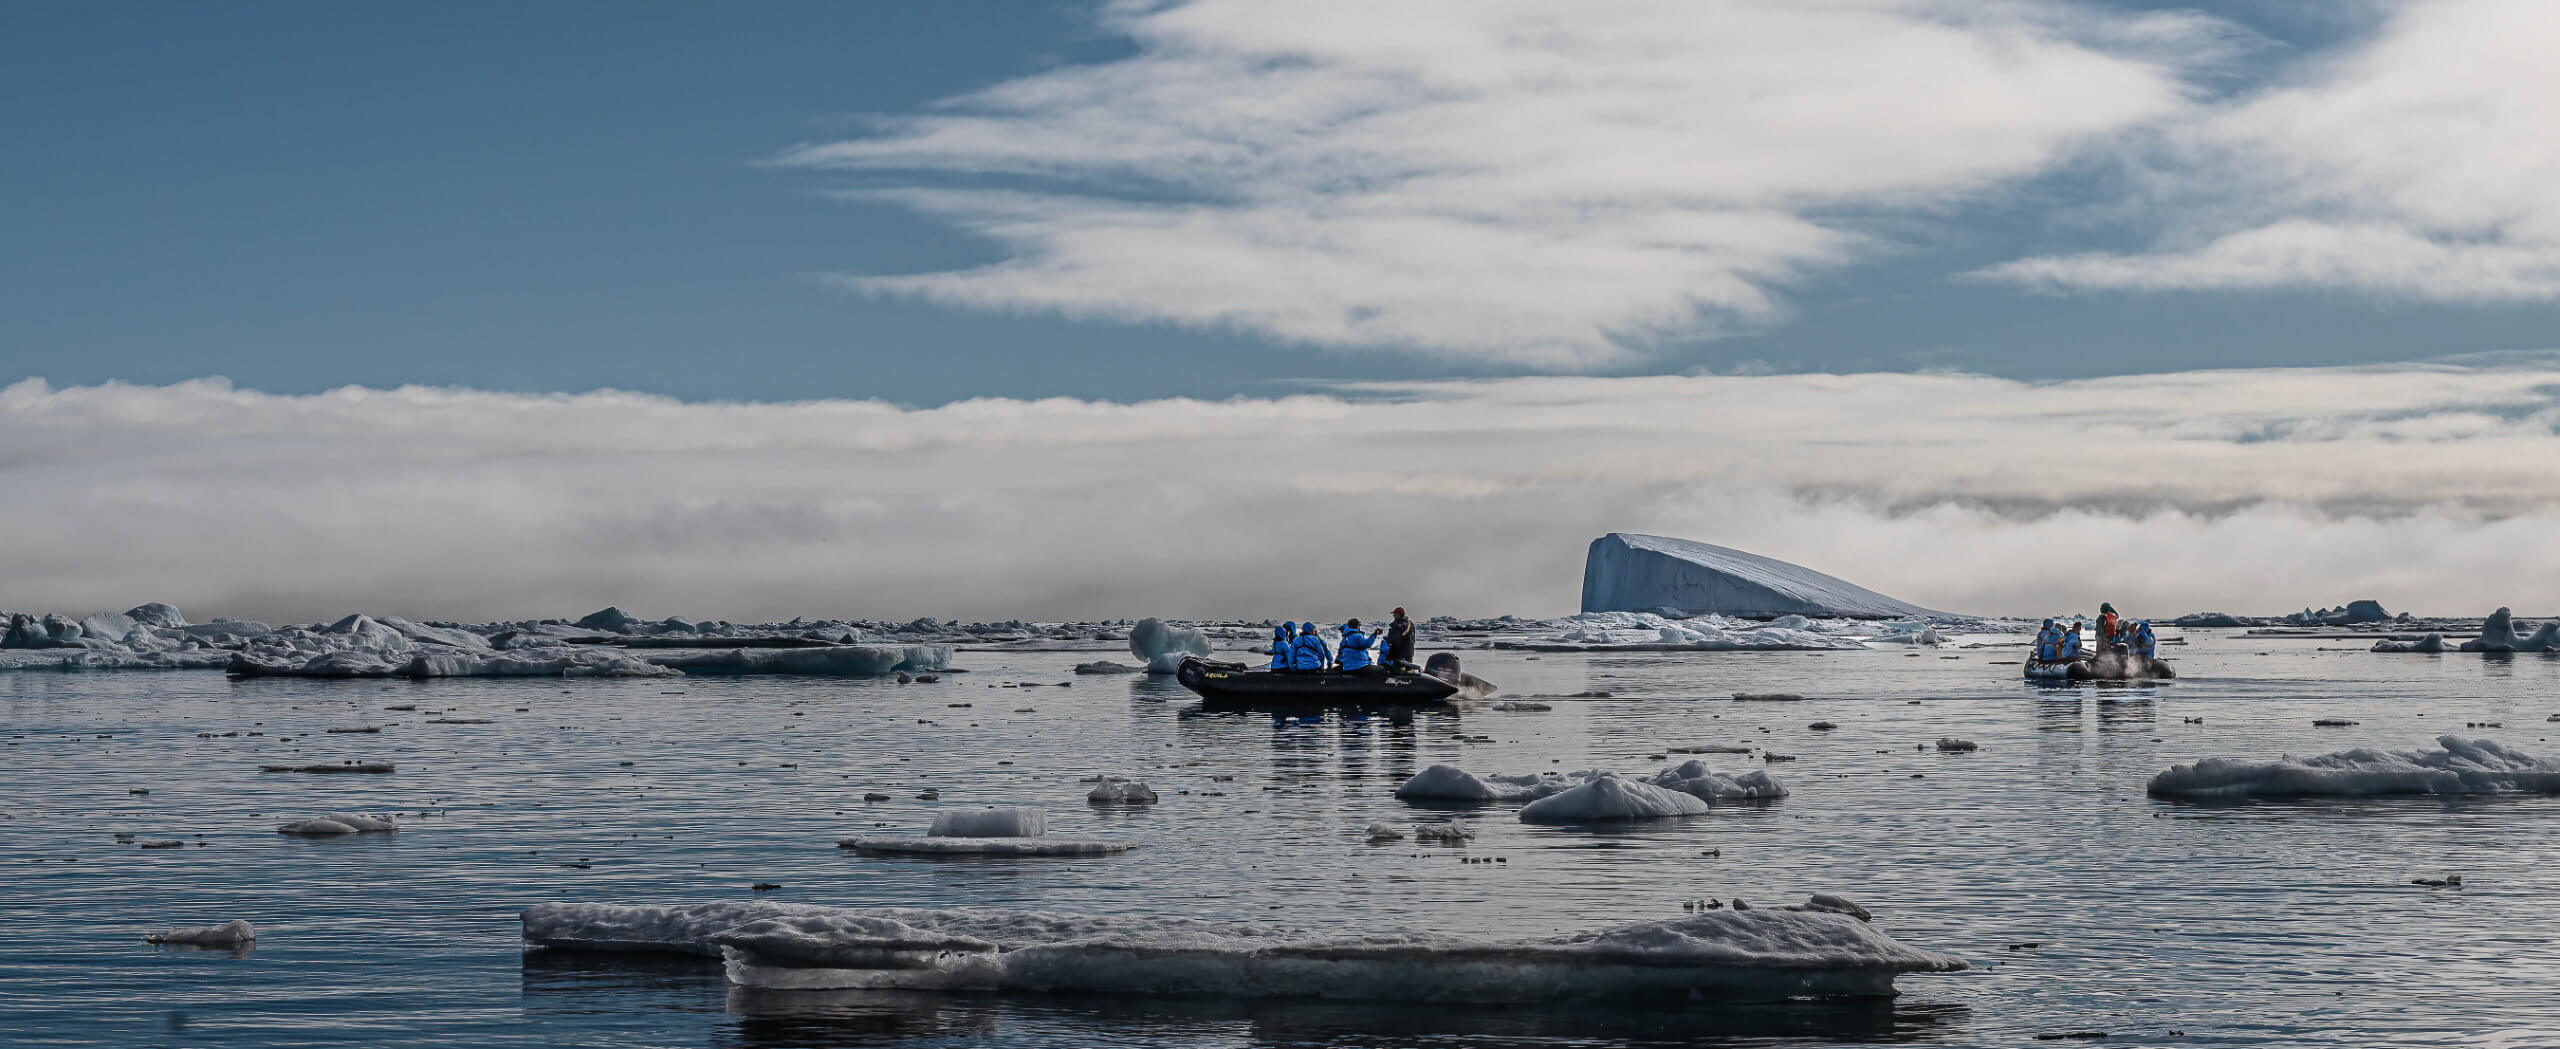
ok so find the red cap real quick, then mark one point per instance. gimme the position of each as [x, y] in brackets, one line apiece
[1399, 609]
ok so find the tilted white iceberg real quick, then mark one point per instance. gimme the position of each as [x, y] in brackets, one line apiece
[1628, 572]
[1606, 799]
[1749, 955]
[2464, 766]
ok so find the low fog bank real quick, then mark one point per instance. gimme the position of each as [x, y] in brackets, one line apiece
[2432, 488]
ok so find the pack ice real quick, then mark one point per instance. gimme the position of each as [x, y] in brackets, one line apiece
[1745, 955]
[2463, 766]
[1005, 830]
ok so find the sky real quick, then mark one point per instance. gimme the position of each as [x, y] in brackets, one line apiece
[314, 306]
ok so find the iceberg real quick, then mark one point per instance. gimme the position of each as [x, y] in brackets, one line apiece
[2498, 634]
[1626, 572]
[2431, 644]
[2463, 766]
[1728, 955]
[1692, 777]
[1009, 821]
[1607, 798]
[1163, 647]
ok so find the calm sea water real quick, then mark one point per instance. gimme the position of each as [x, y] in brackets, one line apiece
[2159, 923]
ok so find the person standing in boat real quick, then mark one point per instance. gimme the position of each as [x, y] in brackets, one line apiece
[1281, 637]
[1309, 654]
[1355, 648]
[2106, 626]
[1399, 640]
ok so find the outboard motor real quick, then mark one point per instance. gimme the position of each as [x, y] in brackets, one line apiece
[1443, 665]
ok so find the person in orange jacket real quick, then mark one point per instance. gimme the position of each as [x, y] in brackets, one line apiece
[2106, 624]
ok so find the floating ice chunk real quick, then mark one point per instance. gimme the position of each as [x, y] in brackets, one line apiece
[1383, 831]
[1766, 954]
[1162, 647]
[1121, 792]
[349, 767]
[1912, 633]
[997, 822]
[829, 661]
[1952, 745]
[1032, 846]
[2463, 766]
[2432, 643]
[1451, 783]
[2498, 634]
[337, 823]
[1521, 706]
[441, 662]
[1609, 799]
[1106, 666]
[1450, 833]
[1695, 779]
[231, 935]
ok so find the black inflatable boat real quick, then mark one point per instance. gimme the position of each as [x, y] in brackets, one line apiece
[1235, 686]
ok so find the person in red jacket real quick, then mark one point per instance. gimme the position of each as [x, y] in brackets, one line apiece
[2106, 624]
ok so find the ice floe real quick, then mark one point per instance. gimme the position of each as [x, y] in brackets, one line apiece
[1117, 791]
[231, 935]
[2430, 644]
[1761, 954]
[1693, 778]
[831, 661]
[2462, 766]
[2499, 633]
[1651, 632]
[1009, 830]
[338, 823]
[1608, 798]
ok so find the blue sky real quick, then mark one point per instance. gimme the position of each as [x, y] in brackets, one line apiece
[561, 197]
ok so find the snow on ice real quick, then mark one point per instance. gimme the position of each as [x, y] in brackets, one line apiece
[2462, 766]
[1692, 778]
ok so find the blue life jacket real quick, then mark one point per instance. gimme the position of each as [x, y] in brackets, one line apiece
[2070, 645]
[2046, 638]
[2143, 640]
[1280, 648]
[1309, 652]
[1355, 649]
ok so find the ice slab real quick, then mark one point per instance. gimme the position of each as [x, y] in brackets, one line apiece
[1693, 777]
[2462, 766]
[1607, 799]
[1163, 646]
[1627, 572]
[337, 823]
[447, 662]
[1029, 846]
[230, 935]
[1759, 954]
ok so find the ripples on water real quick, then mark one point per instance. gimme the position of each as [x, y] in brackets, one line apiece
[2162, 923]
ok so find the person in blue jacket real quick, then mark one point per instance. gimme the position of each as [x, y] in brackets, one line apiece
[2046, 638]
[1356, 647]
[1281, 636]
[1309, 653]
[2069, 648]
[2144, 641]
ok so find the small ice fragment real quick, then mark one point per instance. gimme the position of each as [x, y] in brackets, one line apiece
[1451, 832]
[1121, 792]
[337, 823]
[1951, 745]
[1384, 832]
[1610, 798]
[366, 767]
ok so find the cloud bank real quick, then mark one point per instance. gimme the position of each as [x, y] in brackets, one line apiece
[2432, 487]
[1501, 180]
[2420, 164]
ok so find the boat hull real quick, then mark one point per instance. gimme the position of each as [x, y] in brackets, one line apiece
[1230, 686]
[2108, 666]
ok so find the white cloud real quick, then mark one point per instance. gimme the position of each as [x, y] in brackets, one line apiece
[2419, 164]
[1506, 180]
[2433, 487]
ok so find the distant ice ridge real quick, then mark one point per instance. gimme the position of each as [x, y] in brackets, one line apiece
[1650, 631]
[1749, 955]
[1692, 778]
[2463, 766]
[1163, 647]
[834, 661]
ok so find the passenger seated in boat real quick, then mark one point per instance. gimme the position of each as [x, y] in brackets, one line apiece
[2047, 636]
[1281, 636]
[1355, 648]
[1309, 654]
[2069, 645]
[2144, 641]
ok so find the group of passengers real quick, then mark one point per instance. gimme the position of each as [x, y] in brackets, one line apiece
[1301, 648]
[2059, 641]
